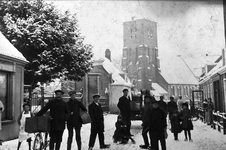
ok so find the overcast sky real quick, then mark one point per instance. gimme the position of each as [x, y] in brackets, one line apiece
[188, 28]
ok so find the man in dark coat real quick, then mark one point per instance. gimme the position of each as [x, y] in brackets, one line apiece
[97, 125]
[157, 126]
[162, 104]
[74, 121]
[145, 119]
[58, 115]
[125, 109]
[171, 106]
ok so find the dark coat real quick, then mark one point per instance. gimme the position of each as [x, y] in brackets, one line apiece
[96, 114]
[163, 105]
[171, 107]
[157, 123]
[176, 123]
[145, 114]
[74, 107]
[185, 116]
[59, 113]
[124, 107]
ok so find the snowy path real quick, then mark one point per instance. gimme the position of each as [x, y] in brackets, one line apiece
[204, 138]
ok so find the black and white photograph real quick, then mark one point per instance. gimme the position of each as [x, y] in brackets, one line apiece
[112, 74]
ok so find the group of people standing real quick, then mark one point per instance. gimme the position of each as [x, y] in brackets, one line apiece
[62, 113]
[180, 117]
[155, 122]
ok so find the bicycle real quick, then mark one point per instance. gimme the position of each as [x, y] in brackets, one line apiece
[41, 141]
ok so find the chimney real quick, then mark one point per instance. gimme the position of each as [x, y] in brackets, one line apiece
[108, 54]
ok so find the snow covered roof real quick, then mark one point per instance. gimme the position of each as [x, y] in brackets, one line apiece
[7, 49]
[219, 68]
[113, 70]
[176, 71]
[158, 88]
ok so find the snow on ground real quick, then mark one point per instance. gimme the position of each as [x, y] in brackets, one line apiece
[204, 138]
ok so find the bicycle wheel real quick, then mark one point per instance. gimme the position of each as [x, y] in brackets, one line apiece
[38, 142]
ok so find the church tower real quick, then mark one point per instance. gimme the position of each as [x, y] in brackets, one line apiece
[140, 52]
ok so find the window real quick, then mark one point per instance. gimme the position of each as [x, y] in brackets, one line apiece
[4, 86]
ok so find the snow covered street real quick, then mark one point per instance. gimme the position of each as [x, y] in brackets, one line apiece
[204, 138]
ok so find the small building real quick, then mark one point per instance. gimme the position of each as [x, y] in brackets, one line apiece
[12, 64]
[106, 80]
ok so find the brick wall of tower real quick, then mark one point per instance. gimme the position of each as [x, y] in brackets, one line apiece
[140, 38]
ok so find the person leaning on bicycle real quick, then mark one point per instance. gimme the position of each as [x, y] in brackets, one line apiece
[59, 114]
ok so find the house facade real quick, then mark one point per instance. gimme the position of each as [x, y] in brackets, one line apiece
[106, 80]
[12, 64]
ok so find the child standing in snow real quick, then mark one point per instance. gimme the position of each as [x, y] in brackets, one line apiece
[21, 121]
[175, 124]
[187, 125]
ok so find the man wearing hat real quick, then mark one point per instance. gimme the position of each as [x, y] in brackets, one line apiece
[58, 115]
[74, 121]
[145, 119]
[97, 125]
[125, 109]
[157, 126]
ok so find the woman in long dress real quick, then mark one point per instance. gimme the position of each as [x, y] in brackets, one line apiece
[21, 121]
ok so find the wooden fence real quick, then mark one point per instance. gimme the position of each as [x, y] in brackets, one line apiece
[219, 120]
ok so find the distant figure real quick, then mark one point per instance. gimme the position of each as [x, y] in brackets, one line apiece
[21, 122]
[205, 105]
[163, 104]
[97, 125]
[209, 110]
[74, 122]
[145, 119]
[1, 110]
[125, 109]
[157, 126]
[180, 101]
[187, 125]
[175, 124]
[171, 106]
[59, 113]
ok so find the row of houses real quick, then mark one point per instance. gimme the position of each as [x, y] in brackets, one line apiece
[213, 83]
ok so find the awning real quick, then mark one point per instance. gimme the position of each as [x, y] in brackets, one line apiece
[159, 89]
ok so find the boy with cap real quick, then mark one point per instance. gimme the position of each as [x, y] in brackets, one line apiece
[157, 126]
[97, 125]
[58, 114]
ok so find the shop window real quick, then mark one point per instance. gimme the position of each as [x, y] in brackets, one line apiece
[4, 96]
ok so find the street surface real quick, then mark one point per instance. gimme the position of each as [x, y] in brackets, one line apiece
[204, 138]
